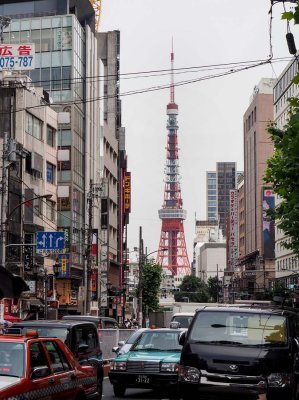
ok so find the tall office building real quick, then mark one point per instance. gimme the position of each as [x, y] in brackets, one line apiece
[259, 232]
[219, 183]
[69, 55]
[211, 184]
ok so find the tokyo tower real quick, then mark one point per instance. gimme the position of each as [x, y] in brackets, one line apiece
[175, 260]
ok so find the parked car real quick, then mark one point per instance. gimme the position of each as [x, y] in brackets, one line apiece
[125, 346]
[152, 362]
[43, 368]
[241, 351]
[101, 322]
[184, 318]
[80, 337]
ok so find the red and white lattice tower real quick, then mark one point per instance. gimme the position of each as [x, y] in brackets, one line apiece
[175, 260]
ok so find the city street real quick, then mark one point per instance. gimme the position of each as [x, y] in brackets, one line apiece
[140, 394]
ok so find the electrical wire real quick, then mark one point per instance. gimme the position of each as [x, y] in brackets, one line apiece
[146, 90]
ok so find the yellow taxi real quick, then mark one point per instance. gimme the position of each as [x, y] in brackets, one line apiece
[32, 367]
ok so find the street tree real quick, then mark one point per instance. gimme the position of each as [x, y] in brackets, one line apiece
[282, 167]
[213, 288]
[152, 278]
[192, 289]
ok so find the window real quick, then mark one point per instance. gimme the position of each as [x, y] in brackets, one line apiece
[50, 210]
[34, 126]
[37, 356]
[50, 173]
[58, 360]
[51, 133]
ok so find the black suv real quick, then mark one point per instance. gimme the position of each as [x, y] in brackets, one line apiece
[101, 322]
[80, 337]
[241, 351]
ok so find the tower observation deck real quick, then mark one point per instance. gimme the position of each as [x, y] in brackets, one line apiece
[175, 259]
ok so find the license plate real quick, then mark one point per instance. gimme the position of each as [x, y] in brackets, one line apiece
[142, 379]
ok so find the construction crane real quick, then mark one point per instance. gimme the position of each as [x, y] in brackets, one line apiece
[97, 6]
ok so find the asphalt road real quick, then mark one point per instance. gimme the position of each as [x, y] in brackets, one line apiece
[142, 394]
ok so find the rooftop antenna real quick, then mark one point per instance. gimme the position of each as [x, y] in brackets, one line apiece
[4, 23]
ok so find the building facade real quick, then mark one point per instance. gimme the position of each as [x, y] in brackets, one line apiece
[29, 187]
[69, 56]
[259, 259]
[286, 262]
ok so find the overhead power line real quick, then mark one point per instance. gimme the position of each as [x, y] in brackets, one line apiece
[150, 89]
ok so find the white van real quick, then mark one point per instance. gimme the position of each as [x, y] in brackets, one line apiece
[184, 319]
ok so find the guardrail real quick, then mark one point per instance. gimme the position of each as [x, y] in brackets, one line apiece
[109, 338]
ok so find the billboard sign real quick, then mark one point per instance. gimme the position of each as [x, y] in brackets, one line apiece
[17, 57]
[233, 228]
[268, 224]
[127, 193]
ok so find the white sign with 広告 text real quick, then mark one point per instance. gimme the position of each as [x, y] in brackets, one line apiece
[17, 57]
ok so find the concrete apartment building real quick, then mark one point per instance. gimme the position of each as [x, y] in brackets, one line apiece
[286, 262]
[259, 232]
[68, 54]
[31, 173]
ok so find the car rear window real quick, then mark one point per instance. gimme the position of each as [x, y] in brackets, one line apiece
[184, 320]
[60, 333]
[251, 329]
[12, 356]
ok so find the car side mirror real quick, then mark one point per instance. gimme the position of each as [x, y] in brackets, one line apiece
[115, 350]
[40, 372]
[82, 348]
[182, 338]
[121, 343]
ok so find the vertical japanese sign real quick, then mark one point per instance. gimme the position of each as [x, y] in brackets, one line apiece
[127, 192]
[233, 228]
[17, 57]
[268, 224]
[64, 260]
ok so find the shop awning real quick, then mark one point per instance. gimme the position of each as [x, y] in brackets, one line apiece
[11, 285]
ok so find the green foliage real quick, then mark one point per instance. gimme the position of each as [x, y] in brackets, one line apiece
[278, 289]
[152, 278]
[194, 289]
[213, 288]
[282, 167]
[282, 174]
[288, 15]
[191, 283]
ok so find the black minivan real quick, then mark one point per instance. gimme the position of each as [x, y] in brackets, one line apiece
[241, 351]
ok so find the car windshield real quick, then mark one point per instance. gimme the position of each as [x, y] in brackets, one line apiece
[157, 341]
[60, 333]
[12, 359]
[248, 329]
[184, 320]
[133, 337]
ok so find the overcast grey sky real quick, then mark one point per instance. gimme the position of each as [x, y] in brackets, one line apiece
[210, 112]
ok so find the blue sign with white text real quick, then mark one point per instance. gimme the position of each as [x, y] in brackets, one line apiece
[50, 242]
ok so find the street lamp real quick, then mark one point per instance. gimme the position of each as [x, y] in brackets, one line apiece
[7, 220]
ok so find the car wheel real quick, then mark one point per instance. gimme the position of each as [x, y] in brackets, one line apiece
[119, 390]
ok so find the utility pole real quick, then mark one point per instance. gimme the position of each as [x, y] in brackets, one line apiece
[217, 297]
[4, 199]
[88, 250]
[140, 316]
